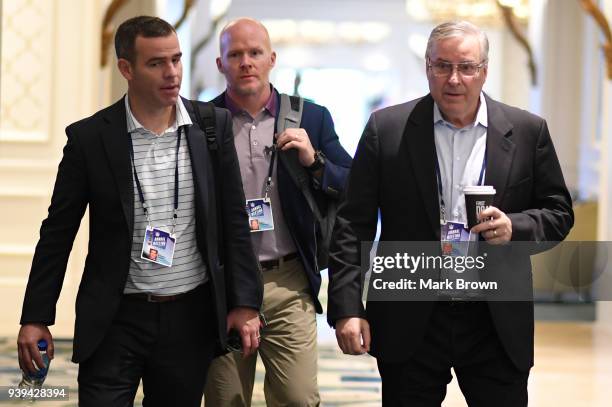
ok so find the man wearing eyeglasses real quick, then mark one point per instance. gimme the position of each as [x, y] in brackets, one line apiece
[431, 148]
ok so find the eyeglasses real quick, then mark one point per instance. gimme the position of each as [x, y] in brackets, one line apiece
[442, 68]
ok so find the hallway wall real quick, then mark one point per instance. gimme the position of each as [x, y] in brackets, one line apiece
[48, 80]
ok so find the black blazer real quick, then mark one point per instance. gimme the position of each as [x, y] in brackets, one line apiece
[394, 171]
[96, 170]
[318, 123]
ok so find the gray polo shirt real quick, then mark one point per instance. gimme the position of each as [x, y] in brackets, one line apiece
[155, 160]
[251, 137]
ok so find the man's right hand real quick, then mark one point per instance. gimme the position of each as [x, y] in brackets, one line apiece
[353, 335]
[246, 321]
[27, 346]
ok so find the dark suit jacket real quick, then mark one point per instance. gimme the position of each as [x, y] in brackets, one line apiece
[96, 170]
[318, 123]
[394, 172]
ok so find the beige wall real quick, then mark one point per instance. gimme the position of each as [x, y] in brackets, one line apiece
[604, 308]
[49, 78]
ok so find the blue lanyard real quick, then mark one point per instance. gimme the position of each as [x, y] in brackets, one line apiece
[439, 177]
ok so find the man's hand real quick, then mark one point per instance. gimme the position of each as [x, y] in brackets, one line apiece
[27, 346]
[496, 228]
[297, 138]
[353, 335]
[246, 322]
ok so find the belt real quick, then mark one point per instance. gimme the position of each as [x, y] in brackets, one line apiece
[160, 298]
[271, 264]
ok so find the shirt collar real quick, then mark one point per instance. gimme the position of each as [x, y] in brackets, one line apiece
[270, 105]
[482, 117]
[182, 117]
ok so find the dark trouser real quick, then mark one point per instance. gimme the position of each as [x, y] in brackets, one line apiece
[461, 336]
[168, 345]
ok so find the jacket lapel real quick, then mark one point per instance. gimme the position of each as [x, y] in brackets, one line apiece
[500, 150]
[116, 143]
[418, 139]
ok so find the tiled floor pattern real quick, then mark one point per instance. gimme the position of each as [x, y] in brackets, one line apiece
[573, 368]
[343, 380]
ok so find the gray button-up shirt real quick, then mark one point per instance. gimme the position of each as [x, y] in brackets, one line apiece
[461, 154]
[251, 137]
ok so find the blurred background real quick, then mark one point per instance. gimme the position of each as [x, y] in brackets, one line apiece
[551, 57]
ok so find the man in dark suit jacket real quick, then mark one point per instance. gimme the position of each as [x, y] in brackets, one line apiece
[137, 318]
[489, 344]
[287, 253]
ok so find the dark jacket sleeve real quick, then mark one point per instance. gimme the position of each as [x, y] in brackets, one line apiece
[243, 278]
[550, 216]
[338, 161]
[355, 230]
[57, 234]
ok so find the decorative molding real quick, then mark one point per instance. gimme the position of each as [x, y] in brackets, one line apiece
[108, 29]
[7, 192]
[27, 82]
[18, 250]
[28, 164]
[23, 136]
[13, 282]
[603, 24]
[512, 25]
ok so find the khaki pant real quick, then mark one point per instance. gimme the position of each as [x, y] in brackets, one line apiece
[288, 348]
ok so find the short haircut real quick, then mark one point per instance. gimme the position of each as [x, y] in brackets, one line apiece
[458, 29]
[144, 26]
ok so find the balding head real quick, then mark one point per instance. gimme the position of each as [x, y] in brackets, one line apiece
[246, 59]
[244, 24]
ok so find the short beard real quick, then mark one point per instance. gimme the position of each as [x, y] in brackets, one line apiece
[245, 91]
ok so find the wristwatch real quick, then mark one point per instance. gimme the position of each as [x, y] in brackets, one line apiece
[319, 161]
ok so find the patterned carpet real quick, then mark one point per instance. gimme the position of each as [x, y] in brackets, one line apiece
[343, 380]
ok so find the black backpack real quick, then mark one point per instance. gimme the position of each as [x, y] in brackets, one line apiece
[290, 116]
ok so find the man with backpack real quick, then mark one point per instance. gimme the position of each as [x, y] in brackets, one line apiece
[293, 170]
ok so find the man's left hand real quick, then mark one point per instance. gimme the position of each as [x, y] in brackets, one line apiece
[298, 139]
[496, 227]
[246, 322]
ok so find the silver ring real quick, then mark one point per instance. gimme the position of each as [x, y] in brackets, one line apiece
[495, 232]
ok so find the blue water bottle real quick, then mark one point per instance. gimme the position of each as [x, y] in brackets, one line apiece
[36, 379]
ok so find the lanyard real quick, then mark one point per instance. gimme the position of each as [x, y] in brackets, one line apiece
[176, 181]
[439, 177]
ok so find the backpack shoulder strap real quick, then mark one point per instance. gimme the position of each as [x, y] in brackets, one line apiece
[289, 113]
[290, 116]
[206, 119]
